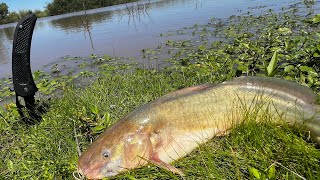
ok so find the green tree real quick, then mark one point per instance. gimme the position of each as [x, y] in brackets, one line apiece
[66, 6]
[13, 16]
[3, 10]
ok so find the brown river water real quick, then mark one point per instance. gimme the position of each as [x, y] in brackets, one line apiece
[115, 31]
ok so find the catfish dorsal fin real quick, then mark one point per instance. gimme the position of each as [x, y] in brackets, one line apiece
[187, 90]
[184, 91]
[302, 92]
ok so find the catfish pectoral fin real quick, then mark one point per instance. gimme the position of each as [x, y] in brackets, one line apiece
[158, 162]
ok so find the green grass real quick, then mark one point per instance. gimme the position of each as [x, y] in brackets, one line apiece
[49, 150]
[78, 114]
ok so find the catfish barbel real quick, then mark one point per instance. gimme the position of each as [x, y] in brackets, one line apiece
[172, 126]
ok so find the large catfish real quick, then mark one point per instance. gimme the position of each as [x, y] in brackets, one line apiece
[172, 126]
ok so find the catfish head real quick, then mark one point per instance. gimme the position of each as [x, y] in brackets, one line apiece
[122, 147]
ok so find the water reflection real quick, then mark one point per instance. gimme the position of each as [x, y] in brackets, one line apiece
[79, 23]
[121, 30]
[4, 54]
[6, 36]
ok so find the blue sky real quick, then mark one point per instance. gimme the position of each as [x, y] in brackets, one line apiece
[16, 5]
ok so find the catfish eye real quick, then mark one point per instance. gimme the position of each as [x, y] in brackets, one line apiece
[106, 154]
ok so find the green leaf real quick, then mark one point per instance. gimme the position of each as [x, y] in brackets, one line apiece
[272, 172]
[130, 177]
[94, 110]
[272, 67]
[36, 75]
[10, 165]
[284, 30]
[98, 128]
[316, 19]
[255, 172]
[246, 45]
[93, 56]
[106, 118]
[316, 54]
[307, 69]
[310, 79]
[242, 68]
[107, 57]
[202, 47]
[288, 68]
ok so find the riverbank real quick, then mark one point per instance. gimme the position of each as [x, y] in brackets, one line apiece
[57, 8]
[247, 45]
[114, 31]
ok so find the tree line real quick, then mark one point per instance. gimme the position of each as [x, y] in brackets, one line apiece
[56, 7]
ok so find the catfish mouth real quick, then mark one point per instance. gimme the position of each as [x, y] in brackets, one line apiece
[110, 173]
[91, 172]
[96, 172]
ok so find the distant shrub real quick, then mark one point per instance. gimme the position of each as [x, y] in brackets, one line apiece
[67, 6]
[56, 7]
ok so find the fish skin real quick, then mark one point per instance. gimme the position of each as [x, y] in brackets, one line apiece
[172, 126]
